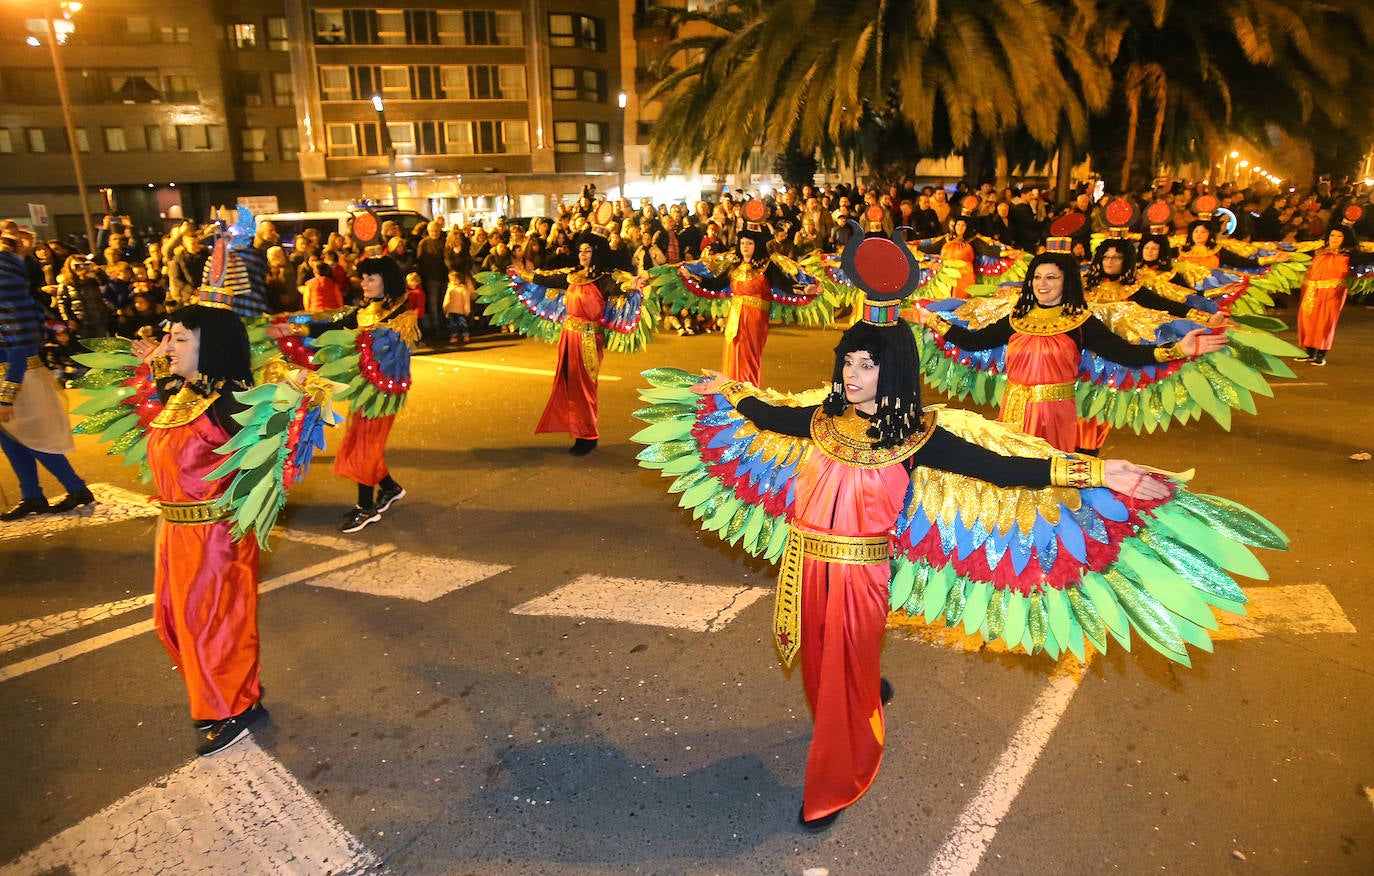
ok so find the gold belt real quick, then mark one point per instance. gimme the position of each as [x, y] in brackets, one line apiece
[1019, 395]
[193, 513]
[737, 305]
[801, 544]
[588, 329]
[1324, 284]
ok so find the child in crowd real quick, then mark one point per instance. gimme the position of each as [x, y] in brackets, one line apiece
[457, 307]
[415, 295]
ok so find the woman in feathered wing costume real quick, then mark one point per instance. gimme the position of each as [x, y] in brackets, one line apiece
[1326, 286]
[823, 489]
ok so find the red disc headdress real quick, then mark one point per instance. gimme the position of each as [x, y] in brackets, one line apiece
[1062, 231]
[1120, 213]
[1352, 214]
[1159, 215]
[873, 218]
[884, 269]
[1205, 206]
[755, 212]
[970, 204]
[367, 231]
[601, 219]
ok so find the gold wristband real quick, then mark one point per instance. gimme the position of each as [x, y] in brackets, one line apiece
[9, 391]
[940, 325]
[1170, 353]
[1076, 471]
[1201, 316]
[300, 329]
[160, 366]
[734, 391]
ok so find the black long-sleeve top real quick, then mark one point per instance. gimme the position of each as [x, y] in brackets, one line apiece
[776, 278]
[349, 318]
[1091, 335]
[943, 450]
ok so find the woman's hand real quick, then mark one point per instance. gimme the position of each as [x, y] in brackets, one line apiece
[923, 316]
[146, 349]
[278, 330]
[1199, 342]
[715, 380]
[1127, 478]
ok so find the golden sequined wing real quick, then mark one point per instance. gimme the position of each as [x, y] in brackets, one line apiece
[1059, 568]
[737, 479]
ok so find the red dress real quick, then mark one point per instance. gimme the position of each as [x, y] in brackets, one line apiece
[205, 584]
[746, 328]
[572, 405]
[1323, 297]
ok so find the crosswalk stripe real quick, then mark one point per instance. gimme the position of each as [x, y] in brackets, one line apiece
[112, 505]
[402, 575]
[701, 608]
[27, 632]
[1293, 609]
[239, 811]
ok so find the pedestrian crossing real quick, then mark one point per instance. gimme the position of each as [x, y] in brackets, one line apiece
[112, 505]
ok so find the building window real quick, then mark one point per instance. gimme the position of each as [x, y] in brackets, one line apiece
[391, 28]
[334, 84]
[182, 87]
[565, 137]
[511, 80]
[395, 83]
[342, 140]
[479, 28]
[458, 138]
[517, 137]
[426, 82]
[138, 28]
[152, 134]
[579, 83]
[200, 138]
[588, 137]
[276, 35]
[175, 34]
[576, 32]
[248, 84]
[454, 81]
[329, 27]
[36, 140]
[243, 36]
[6, 144]
[290, 140]
[402, 137]
[115, 140]
[282, 94]
[594, 135]
[254, 145]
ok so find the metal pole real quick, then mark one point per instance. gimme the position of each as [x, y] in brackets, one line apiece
[65, 99]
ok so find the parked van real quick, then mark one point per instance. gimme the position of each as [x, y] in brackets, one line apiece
[326, 222]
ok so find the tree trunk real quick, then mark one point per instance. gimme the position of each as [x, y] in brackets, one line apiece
[1064, 179]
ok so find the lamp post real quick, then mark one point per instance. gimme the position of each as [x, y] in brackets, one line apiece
[387, 145]
[622, 101]
[65, 99]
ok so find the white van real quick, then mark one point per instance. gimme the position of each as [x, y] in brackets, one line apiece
[326, 222]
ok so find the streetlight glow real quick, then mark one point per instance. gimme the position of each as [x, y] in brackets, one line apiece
[1244, 164]
[1235, 154]
[377, 102]
[623, 100]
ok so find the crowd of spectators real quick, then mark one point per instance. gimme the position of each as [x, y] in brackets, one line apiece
[129, 280]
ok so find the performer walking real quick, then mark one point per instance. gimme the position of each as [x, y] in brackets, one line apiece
[1326, 285]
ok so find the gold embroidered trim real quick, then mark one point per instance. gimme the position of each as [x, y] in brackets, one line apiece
[1047, 321]
[1323, 284]
[845, 439]
[1018, 395]
[1169, 353]
[160, 366]
[31, 362]
[9, 391]
[827, 547]
[1076, 471]
[1111, 290]
[182, 408]
[193, 513]
[587, 329]
[736, 391]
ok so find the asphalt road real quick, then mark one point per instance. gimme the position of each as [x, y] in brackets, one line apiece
[479, 684]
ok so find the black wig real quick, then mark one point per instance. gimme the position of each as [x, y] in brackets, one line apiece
[1072, 300]
[1349, 244]
[393, 281]
[1166, 252]
[894, 351]
[1211, 232]
[224, 351]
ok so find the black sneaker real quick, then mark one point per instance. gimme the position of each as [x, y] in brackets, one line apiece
[388, 497]
[25, 508]
[582, 446]
[72, 501]
[885, 690]
[816, 825]
[358, 518]
[223, 734]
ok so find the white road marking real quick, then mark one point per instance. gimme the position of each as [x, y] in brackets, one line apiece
[333, 542]
[700, 608]
[409, 576]
[27, 632]
[235, 812]
[112, 505]
[86, 646]
[963, 849]
[457, 364]
[1295, 610]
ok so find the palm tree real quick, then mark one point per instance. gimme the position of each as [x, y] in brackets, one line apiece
[940, 73]
[1189, 75]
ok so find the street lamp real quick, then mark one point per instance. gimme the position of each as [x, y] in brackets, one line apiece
[622, 101]
[60, 72]
[387, 144]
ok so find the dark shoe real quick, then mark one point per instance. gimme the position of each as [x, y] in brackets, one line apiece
[223, 734]
[72, 501]
[358, 518]
[25, 508]
[203, 726]
[387, 497]
[885, 691]
[817, 825]
[1317, 362]
[582, 446]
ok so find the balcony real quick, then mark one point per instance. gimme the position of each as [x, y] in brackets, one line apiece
[655, 24]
